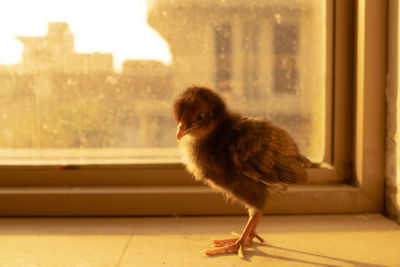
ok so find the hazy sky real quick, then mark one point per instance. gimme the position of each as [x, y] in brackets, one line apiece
[116, 26]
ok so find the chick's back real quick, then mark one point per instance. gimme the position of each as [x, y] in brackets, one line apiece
[245, 158]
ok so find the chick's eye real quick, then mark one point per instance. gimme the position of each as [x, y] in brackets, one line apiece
[201, 117]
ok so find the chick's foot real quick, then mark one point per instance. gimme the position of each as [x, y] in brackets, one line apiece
[237, 247]
[229, 241]
[225, 242]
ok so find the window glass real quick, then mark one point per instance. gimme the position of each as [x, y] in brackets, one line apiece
[85, 82]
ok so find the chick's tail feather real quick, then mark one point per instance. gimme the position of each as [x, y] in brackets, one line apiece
[291, 169]
[305, 161]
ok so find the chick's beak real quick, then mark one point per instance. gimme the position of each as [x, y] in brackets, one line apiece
[181, 131]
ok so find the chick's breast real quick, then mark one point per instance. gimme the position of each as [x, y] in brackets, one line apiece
[212, 160]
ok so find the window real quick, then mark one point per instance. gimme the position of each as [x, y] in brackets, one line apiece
[85, 107]
[251, 62]
[223, 51]
[88, 117]
[285, 52]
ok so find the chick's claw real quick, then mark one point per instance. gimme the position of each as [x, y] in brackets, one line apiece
[235, 247]
[255, 235]
[224, 242]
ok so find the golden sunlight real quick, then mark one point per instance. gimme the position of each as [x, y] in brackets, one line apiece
[93, 81]
[118, 27]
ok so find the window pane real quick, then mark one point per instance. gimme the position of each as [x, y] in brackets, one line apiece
[94, 81]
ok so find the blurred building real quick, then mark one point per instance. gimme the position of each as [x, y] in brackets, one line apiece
[147, 83]
[54, 52]
[253, 49]
[58, 98]
[149, 78]
[46, 58]
[265, 57]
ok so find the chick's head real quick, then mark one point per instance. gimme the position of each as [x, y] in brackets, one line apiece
[197, 111]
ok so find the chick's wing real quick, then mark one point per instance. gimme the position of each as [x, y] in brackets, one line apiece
[265, 153]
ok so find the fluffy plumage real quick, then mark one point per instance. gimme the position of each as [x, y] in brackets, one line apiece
[242, 157]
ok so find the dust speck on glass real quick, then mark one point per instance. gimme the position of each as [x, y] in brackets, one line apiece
[93, 82]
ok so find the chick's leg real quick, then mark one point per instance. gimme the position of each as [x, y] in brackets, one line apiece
[256, 219]
[253, 233]
[237, 244]
[251, 236]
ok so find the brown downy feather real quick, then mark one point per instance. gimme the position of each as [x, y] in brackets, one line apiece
[244, 158]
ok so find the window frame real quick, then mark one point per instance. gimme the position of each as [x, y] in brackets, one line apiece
[355, 149]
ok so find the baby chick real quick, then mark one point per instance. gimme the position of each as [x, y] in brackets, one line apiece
[244, 158]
